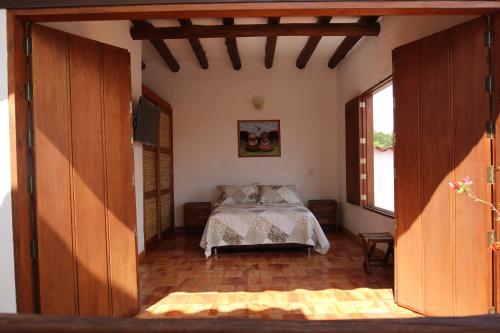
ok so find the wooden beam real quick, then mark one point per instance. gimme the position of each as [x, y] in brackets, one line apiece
[175, 9]
[232, 46]
[311, 44]
[255, 30]
[22, 323]
[271, 44]
[348, 43]
[196, 45]
[160, 46]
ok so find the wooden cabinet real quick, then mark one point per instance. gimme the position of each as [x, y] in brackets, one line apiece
[326, 213]
[196, 215]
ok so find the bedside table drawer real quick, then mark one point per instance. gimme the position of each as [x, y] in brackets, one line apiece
[324, 210]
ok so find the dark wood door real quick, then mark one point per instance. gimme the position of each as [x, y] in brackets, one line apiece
[443, 264]
[85, 207]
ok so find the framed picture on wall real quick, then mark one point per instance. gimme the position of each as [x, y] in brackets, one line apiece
[259, 138]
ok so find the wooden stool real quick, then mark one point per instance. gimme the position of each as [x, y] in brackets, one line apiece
[370, 241]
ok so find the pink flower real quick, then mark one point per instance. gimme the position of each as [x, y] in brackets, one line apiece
[467, 181]
[454, 185]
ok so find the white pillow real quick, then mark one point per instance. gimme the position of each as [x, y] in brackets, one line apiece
[238, 194]
[278, 194]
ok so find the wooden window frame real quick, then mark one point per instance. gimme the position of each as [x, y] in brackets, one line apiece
[367, 168]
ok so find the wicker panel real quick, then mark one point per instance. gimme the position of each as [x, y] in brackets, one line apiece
[150, 219]
[165, 171]
[164, 130]
[149, 159]
[166, 213]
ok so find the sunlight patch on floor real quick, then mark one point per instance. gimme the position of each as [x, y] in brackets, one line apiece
[296, 304]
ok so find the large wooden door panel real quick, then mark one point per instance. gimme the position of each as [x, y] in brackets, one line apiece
[51, 125]
[436, 167]
[496, 115]
[408, 272]
[471, 151]
[119, 173]
[443, 265]
[88, 176]
[85, 206]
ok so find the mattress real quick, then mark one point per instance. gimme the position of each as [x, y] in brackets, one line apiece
[258, 224]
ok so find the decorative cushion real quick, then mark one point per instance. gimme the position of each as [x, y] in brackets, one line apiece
[278, 194]
[238, 194]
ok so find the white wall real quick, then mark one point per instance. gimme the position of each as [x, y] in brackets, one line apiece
[117, 33]
[206, 106]
[367, 64]
[7, 278]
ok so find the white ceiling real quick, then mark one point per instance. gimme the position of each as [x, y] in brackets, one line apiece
[251, 49]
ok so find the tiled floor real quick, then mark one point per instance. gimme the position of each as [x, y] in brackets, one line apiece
[177, 281]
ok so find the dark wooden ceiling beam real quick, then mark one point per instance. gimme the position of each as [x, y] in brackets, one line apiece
[231, 44]
[312, 43]
[160, 46]
[348, 43]
[196, 45]
[271, 44]
[256, 30]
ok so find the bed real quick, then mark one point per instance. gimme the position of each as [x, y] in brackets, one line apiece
[261, 224]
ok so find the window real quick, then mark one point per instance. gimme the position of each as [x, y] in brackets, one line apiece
[370, 149]
[379, 133]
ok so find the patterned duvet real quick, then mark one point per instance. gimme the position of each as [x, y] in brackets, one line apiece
[263, 224]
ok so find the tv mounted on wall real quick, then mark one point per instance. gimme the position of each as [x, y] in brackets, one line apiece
[147, 122]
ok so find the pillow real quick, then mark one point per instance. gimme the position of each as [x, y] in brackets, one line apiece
[238, 194]
[278, 194]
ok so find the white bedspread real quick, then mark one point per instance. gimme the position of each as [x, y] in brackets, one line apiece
[263, 224]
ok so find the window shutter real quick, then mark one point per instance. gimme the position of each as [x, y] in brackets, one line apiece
[353, 142]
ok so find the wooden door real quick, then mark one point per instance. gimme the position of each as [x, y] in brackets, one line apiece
[158, 175]
[83, 163]
[495, 59]
[443, 263]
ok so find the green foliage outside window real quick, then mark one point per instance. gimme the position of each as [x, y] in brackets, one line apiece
[383, 140]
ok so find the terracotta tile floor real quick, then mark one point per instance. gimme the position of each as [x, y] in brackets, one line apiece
[177, 281]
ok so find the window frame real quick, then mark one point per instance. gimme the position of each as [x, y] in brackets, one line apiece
[366, 154]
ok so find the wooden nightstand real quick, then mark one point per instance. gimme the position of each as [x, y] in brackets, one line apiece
[326, 213]
[196, 215]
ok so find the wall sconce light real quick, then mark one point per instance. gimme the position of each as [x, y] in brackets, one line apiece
[258, 102]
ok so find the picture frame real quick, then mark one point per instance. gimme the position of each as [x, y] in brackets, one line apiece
[259, 138]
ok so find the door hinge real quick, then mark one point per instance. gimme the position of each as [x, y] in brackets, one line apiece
[489, 84]
[27, 46]
[33, 253]
[30, 139]
[488, 38]
[492, 238]
[28, 92]
[492, 310]
[362, 161]
[363, 176]
[362, 141]
[490, 129]
[490, 174]
[363, 197]
[362, 104]
[31, 184]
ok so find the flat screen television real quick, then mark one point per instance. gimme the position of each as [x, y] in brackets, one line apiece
[147, 122]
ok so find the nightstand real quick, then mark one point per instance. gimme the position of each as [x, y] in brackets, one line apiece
[196, 215]
[326, 213]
